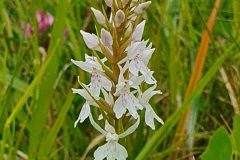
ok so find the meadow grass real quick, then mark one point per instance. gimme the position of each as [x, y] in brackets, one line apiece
[38, 109]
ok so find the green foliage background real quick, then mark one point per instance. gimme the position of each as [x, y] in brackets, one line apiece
[38, 109]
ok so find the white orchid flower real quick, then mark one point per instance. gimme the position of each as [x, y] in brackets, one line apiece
[138, 55]
[90, 64]
[91, 40]
[98, 78]
[99, 81]
[85, 111]
[112, 150]
[126, 100]
[150, 115]
[132, 82]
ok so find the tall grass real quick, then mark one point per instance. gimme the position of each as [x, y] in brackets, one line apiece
[37, 108]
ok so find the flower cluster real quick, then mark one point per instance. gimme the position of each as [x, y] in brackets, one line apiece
[45, 20]
[114, 89]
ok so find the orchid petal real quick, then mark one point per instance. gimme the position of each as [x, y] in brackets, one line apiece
[83, 93]
[147, 55]
[109, 128]
[138, 32]
[147, 95]
[84, 114]
[149, 79]
[111, 151]
[134, 49]
[83, 65]
[101, 151]
[119, 108]
[106, 83]
[136, 81]
[91, 40]
[95, 87]
[99, 16]
[141, 7]
[108, 97]
[131, 102]
[119, 152]
[150, 115]
[134, 68]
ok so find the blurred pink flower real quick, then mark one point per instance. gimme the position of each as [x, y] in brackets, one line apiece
[44, 20]
[28, 29]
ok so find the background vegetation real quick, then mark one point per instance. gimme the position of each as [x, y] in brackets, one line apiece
[38, 109]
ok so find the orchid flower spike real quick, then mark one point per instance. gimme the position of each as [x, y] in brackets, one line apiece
[118, 67]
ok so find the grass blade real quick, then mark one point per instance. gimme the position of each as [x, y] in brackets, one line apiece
[46, 146]
[40, 114]
[197, 70]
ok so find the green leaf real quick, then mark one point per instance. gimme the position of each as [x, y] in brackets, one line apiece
[236, 134]
[219, 147]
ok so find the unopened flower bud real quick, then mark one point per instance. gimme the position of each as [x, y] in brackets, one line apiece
[99, 16]
[129, 29]
[91, 40]
[141, 7]
[106, 38]
[119, 18]
[109, 3]
[138, 32]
